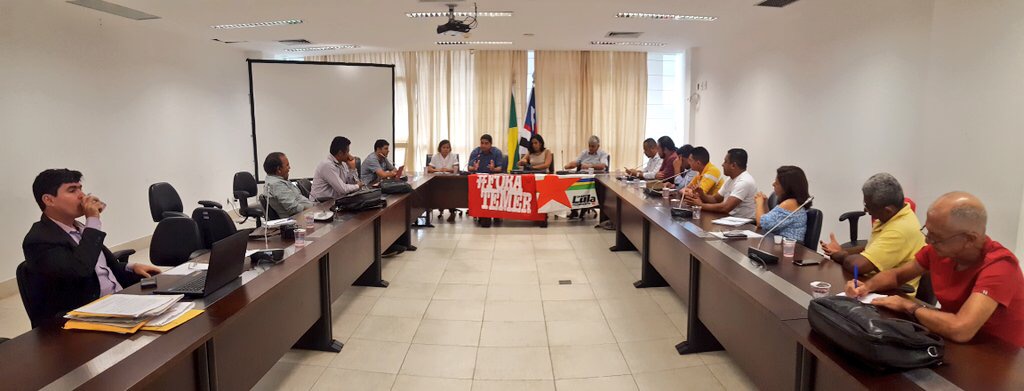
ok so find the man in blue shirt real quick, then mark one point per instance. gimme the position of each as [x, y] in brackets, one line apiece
[486, 158]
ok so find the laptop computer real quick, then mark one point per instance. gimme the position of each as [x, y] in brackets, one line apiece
[227, 259]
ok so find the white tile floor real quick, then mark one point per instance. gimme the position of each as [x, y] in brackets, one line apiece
[481, 309]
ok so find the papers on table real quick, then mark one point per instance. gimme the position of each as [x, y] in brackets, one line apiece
[279, 222]
[868, 298]
[749, 234]
[732, 221]
[127, 306]
[126, 314]
[171, 314]
[187, 268]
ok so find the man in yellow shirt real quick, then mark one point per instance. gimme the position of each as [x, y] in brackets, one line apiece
[895, 237]
[710, 178]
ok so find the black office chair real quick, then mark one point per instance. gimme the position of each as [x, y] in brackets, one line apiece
[925, 292]
[165, 202]
[176, 240]
[813, 234]
[29, 285]
[359, 167]
[305, 186]
[271, 213]
[245, 187]
[772, 202]
[214, 224]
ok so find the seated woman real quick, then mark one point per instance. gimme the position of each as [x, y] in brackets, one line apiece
[539, 158]
[444, 161]
[791, 189]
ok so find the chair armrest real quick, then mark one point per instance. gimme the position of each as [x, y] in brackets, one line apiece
[852, 215]
[122, 256]
[174, 214]
[211, 204]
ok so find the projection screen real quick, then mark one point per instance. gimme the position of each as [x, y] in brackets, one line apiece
[299, 107]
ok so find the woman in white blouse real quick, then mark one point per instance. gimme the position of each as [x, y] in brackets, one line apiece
[444, 161]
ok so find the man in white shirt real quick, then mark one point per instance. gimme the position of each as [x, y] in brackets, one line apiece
[650, 170]
[736, 197]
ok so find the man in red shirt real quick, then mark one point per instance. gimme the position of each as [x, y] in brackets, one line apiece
[976, 279]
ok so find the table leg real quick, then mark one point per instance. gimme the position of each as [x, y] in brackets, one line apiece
[320, 336]
[373, 275]
[698, 338]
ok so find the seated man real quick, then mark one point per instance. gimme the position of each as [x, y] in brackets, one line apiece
[377, 167]
[592, 158]
[69, 256]
[976, 279]
[737, 194]
[682, 166]
[486, 158]
[895, 236]
[650, 169]
[336, 176]
[709, 178]
[668, 158]
[282, 195]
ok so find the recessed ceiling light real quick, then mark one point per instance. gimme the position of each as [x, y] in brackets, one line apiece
[455, 43]
[610, 43]
[459, 14]
[257, 24]
[642, 15]
[321, 48]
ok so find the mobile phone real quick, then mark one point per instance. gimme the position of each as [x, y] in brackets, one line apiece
[147, 283]
[806, 262]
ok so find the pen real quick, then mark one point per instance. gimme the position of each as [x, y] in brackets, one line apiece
[855, 272]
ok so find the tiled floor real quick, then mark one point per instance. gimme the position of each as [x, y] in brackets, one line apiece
[481, 309]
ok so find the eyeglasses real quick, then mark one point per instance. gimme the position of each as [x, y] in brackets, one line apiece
[930, 239]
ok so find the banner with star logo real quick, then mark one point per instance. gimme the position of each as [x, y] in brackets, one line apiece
[529, 197]
[562, 193]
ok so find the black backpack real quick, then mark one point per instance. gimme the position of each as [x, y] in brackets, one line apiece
[393, 186]
[881, 344]
[360, 200]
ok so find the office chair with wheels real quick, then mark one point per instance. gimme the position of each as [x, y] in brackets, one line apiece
[164, 202]
[214, 224]
[244, 187]
[814, 220]
[305, 186]
[175, 241]
[29, 285]
[853, 217]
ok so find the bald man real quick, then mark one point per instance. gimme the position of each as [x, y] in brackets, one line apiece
[976, 279]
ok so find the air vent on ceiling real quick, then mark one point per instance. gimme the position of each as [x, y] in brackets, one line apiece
[292, 42]
[776, 3]
[114, 9]
[623, 34]
[228, 42]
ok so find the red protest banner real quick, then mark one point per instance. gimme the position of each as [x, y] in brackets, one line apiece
[504, 196]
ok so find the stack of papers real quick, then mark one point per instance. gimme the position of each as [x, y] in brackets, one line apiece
[732, 221]
[749, 234]
[868, 298]
[126, 314]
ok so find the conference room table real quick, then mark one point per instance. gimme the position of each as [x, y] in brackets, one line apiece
[758, 313]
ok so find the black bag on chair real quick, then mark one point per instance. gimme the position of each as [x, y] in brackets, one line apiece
[878, 343]
[360, 200]
[395, 187]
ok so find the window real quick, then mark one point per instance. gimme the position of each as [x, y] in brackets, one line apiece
[401, 122]
[529, 75]
[667, 113]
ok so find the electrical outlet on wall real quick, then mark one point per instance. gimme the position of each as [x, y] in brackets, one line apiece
[702, 86]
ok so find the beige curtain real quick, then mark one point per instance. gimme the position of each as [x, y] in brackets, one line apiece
[497, 75]
[580, 94]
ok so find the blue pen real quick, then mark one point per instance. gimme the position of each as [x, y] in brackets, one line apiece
[855, 276]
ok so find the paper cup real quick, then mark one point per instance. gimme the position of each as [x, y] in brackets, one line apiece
[820, 289]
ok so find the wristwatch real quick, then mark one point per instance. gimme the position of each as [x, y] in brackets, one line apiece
[913, 310]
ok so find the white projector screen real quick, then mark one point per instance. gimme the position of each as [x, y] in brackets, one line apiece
[299, 107]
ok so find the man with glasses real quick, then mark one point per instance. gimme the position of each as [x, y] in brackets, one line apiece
[895, 236]
[976, 279]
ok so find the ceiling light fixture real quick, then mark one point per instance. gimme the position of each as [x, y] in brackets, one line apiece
[642, 15]
[610, 43]
[257, 24]
[321, 48]
[456, 43]
[459, 14]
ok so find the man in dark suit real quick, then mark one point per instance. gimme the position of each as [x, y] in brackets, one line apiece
[67, 264]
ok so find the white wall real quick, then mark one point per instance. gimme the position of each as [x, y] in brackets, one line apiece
[929, 92]
[123, 102]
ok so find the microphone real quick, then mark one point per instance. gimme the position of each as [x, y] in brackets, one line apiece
[757, 254]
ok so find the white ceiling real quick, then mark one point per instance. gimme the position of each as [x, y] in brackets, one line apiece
[381, 25]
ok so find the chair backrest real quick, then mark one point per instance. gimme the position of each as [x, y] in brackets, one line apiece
[271, 213]
[429, 156]
[925, 292]
[551, 168]
[813, 234]
[214, 224]
[773, 201]
[305, 186]
[174, 239]
[27, 287]
[163, 198]
[244, 182]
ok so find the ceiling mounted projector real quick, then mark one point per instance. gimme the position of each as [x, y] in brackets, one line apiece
[454, 26]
